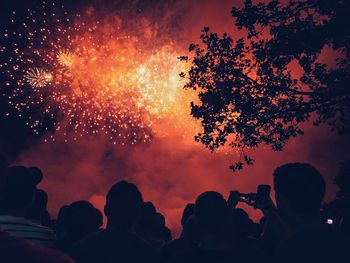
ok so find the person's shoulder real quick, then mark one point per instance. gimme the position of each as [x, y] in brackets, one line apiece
[20, 250]
[92, 240]
[43, 229]
[139, 243]
[143, 249]
[318, 244]
[89, 247]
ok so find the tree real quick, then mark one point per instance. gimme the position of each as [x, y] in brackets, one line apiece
[260, 88]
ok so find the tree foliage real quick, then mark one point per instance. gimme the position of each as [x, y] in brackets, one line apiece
[292, 67]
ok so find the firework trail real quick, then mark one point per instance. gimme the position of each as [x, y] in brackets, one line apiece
[90, 75]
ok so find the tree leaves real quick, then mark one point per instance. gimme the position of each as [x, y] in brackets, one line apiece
[247, 87]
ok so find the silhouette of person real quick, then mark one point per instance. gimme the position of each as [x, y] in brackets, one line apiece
[145, 225]
[159, 229]
[18, 197]
[212, 213]
[58, 226]
[242, 228]
[37, 173]
[186, 214]
[243, 232]
[18, 250]
[151, 226]
[240, 224]
[345, 225]
[81, 219]
[117, 243]
[187, 240]
[341, 205]
[191, 232]
[38, 211]
[304, 237]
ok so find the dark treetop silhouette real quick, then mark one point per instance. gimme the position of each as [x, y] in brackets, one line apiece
[258, 89]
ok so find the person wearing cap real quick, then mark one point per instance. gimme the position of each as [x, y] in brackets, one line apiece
[16, 199]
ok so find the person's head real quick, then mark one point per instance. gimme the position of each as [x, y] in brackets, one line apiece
[299, 188]
[148, 212]
[159, 229]
[37, 173]
[62, 214]
[81, 218]
[19, 189]
[159, 220]
[60, 223]
[342, 180]
[123, 205]
[211, 212]
[146, 220]
[188, 211]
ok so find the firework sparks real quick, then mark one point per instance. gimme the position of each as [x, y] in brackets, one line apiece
[38, 78]
[65, 58]
[98, 77]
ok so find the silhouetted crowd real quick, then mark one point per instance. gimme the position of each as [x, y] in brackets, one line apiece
[296, 227]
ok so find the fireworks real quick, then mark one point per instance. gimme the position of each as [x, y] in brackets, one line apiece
[65, 58]
[38, 78]
[89, 76]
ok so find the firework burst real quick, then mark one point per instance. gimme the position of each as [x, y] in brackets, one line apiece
[98, 78]
[38, 77]
[65, 58]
